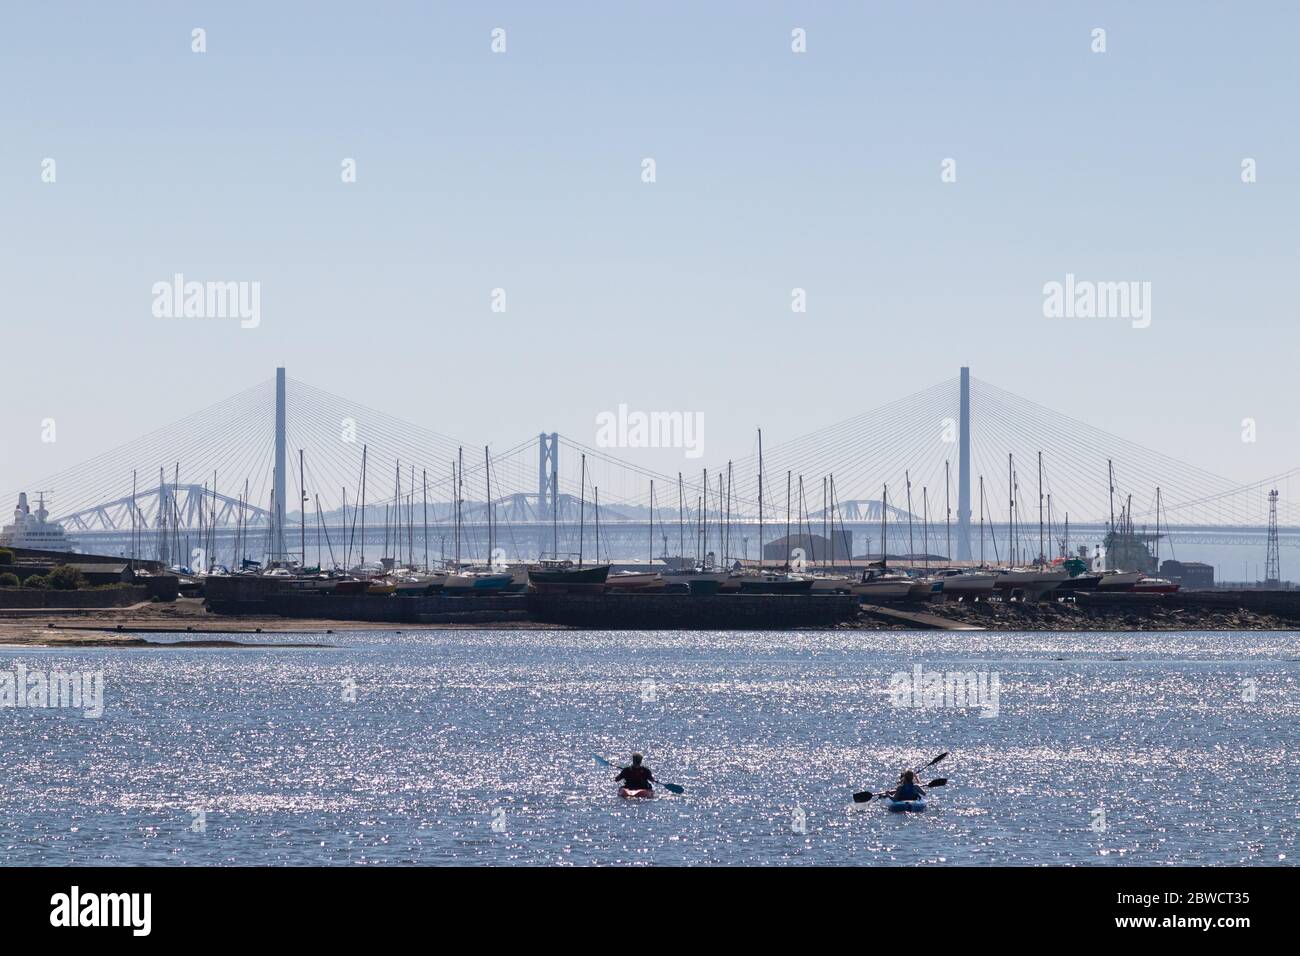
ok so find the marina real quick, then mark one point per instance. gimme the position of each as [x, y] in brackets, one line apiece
[686, 553]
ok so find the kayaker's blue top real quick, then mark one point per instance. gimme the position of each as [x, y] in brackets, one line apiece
[908, 791]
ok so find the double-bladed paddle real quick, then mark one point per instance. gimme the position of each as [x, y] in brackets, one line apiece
[862, 796]
[670, 787]
[867, 794]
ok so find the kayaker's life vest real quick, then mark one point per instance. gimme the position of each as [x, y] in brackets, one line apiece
[636, 778]
[908, 791]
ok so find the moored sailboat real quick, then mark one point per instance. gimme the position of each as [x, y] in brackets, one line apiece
[556, 575]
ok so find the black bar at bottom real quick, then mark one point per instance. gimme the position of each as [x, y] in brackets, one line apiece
[245, 905]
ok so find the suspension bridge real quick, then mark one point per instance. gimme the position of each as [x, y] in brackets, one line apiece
[285, 471]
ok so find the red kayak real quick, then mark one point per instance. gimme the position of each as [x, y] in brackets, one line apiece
[643, 794]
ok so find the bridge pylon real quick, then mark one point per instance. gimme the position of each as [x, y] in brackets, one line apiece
[963, 472]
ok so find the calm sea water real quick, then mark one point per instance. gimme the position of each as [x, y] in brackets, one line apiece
[474, 747]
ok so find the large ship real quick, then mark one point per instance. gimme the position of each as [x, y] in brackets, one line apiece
[31, 529]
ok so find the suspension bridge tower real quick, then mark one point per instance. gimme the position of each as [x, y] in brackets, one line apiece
[548, 481]
[963, 472]
[278, 551]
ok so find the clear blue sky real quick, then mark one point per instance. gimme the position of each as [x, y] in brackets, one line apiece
[775, 170]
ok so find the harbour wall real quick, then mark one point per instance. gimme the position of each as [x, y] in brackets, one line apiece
[83, 598]
[652, 612]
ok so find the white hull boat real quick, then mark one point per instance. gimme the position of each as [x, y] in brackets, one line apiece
[478, 581]
[883, 586]
[1031, 583]
[1118, 580]
[968, 584]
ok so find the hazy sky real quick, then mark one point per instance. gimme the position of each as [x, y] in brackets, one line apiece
[774, 170]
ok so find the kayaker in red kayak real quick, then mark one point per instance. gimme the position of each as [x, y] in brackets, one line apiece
[636, 777]
[908, 788]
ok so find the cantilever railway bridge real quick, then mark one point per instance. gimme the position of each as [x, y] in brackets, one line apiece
[277, 470]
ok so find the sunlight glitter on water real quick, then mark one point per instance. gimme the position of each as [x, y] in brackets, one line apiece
[476, 747]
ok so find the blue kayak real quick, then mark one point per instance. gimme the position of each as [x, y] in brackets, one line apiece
[905, 806]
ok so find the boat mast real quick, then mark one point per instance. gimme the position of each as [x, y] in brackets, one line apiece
[203, 528]
[652, 523]
[947, 507]
[911, 547]
[212, 523]
[829, 481]
[787, 520]
[704, 518]
[1110, 473]
[824, 514]
[884, 528]
[722, 528]
[699, 550]
[1042, 555]
[364, 451]
[1011, 511]
[844, 531]
[384, 557]
[133, 541]
[760, 499]
[806, 523]
[681, 518]
[925, 517]
[729, 477]
[582, 507]
[176, 517]
[1157, 541]
[487, 484]
[302, 511]
[424, 477]
[1128, 530]
[1049, 518]
[459, 483]
[981, 521]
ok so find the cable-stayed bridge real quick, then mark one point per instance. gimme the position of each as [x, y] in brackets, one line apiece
[281, 470]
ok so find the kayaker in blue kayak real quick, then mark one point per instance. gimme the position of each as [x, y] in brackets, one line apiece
[636, 777]
[908, 788]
